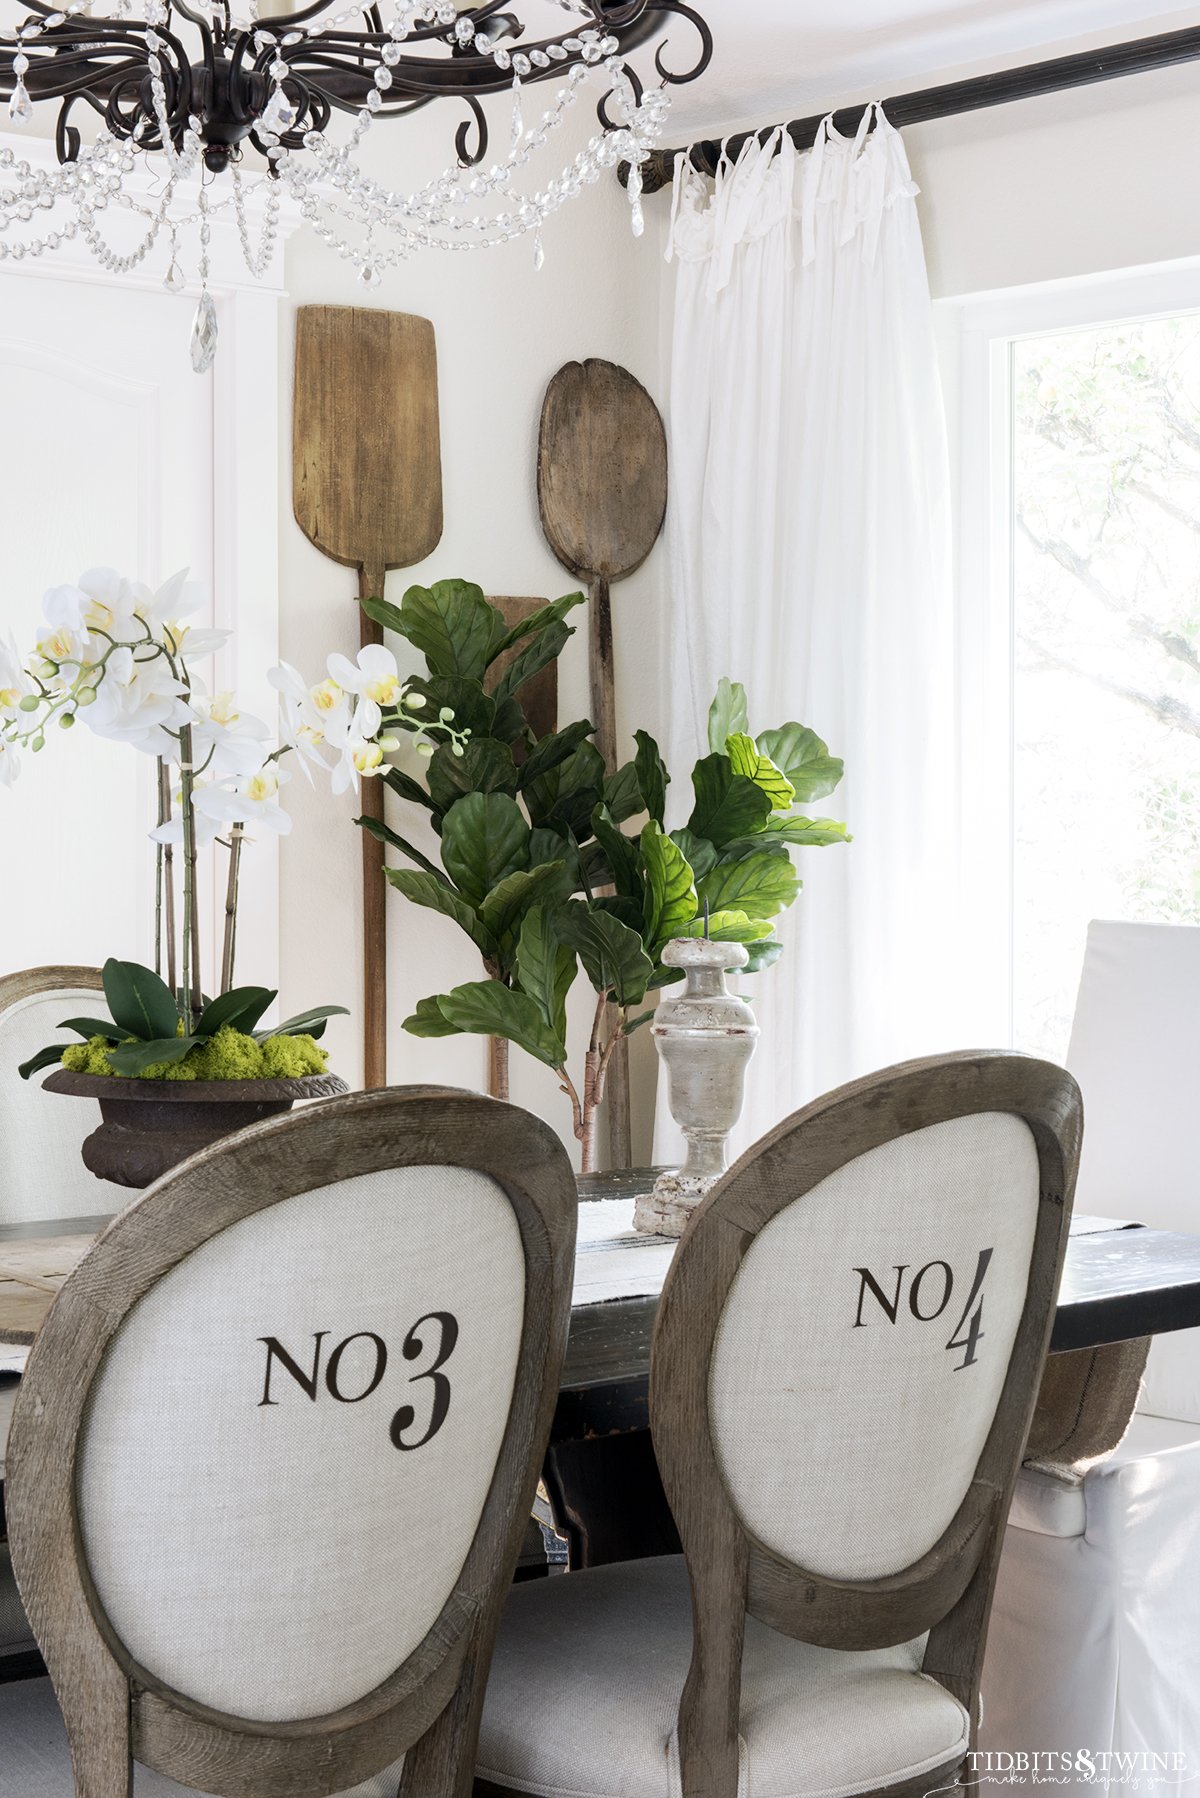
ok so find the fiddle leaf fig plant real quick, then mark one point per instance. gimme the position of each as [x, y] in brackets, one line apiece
[550, 863]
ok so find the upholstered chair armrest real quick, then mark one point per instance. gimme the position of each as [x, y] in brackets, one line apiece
[1085, 1403]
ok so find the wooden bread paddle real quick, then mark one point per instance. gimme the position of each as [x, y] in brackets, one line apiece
[367, 491]
[602, 491]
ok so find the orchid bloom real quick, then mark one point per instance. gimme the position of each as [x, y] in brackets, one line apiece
[137, 700]
[360, 756]
[226, 742]
[15, 684]
[162, 614]
[252, 799]
[302, 726]
[375, 678]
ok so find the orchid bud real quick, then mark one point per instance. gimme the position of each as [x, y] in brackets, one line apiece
[30, 703]
[66, 720]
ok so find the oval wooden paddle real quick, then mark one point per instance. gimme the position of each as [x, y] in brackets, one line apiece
[367, 491]
[602, 492]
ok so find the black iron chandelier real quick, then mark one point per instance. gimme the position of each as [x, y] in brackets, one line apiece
[191, 87]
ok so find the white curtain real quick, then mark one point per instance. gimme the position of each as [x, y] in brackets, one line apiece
[809, 540]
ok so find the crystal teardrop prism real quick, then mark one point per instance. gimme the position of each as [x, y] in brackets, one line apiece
[278, 115]
[20, 106]
[174, 280]
[539, 253]
[204, 334]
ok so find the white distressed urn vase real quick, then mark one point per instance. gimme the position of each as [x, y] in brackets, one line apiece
[706, 1036]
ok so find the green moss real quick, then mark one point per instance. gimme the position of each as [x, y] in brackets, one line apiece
[227, 1056]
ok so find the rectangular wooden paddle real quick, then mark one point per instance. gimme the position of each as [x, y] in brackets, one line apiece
[367, 491]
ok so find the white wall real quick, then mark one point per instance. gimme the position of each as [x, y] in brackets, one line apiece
[503, 329]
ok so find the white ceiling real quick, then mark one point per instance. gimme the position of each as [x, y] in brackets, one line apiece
[789, 58]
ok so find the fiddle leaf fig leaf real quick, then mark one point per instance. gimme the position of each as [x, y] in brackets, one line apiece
[385, 834]
[553, 750]
[484, 839]
[653, 779]
[728, 715]
[730, 927]
[763, 954]
[566, 796]
[435, 895]
[430, 1020]
[453, 626]
[727, 804]
[671, 893]
[487, 1008]
[506, 905]
[546, 967]
[141, 1004]
[746, 758]
[382, 611]
[804, 761]
[623, 793]
[759, 885]
[620, 853]
[612, 954]
[803, 833]
[537, 654]
[554, 613]
[474, 710]
[697, 852]
[481, 766]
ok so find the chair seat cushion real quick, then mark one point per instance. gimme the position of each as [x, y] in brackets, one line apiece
[35, 1762]
[1051, 1505]
[588, 1672]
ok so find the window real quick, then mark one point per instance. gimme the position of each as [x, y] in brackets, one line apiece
[1080, 584]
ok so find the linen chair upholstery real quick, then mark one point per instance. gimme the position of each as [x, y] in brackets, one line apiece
[1096, 1629]
[41, 1134]
[273, 1453]
[845, 1360]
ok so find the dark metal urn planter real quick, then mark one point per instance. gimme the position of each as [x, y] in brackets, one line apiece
[148, 1127]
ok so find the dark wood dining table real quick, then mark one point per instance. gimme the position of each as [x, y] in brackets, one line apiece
[1121, 1282]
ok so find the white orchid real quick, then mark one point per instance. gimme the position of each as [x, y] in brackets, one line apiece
[375, 679]
[162, 613]
[302, 727]
[15, 684]
[360, 756]
[227, 742]
[253, 799]
[137, 701]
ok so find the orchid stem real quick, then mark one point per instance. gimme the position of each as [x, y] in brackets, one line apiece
[231, 905]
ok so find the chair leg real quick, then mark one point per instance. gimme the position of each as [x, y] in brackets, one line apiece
[99, 1740]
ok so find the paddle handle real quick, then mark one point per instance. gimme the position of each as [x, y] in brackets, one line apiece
[374, 887]
[604, 717]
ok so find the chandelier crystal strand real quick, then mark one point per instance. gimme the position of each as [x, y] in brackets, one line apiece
[252, 103]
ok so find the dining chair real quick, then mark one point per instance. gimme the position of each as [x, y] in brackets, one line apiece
[1095, 1634]
[274, 1451]
[41, 1134]
[844, 1364]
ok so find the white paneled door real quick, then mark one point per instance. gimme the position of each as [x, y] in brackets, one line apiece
[106, 457]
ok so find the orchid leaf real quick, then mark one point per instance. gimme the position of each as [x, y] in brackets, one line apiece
[89, 1027]
[141, 1004]
[45, 1058]
[241, 1007]
[132, 1058]
[305, 1023]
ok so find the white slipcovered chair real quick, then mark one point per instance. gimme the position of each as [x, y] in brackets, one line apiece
[41, 1174]
[273, 1454]
[1095, 1639]
[844, 1365]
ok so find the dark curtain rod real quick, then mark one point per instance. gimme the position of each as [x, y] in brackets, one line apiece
[1026, 83]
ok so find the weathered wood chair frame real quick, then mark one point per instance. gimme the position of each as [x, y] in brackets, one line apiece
[31, 981]
[428, 1709]
[948, 1592]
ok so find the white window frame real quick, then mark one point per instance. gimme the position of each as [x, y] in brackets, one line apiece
[977, 334]
[248, 448]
